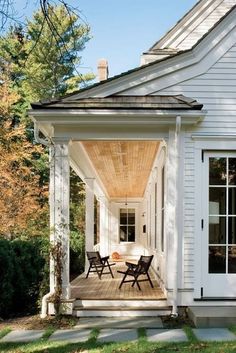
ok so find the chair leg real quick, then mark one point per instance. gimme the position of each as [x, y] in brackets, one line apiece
[88, 271]
[150, 280]
[136, 281]
[122, 281]
[99, 272]
[110, 270]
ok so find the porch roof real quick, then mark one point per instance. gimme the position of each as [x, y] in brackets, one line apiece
[159, 102]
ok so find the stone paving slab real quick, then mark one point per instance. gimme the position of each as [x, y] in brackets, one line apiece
[159, 335]
[117, 335]
[214, 334]
[23, 336]
[119, 322]
[72, 335]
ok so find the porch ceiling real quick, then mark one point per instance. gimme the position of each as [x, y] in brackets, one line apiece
[123, 166]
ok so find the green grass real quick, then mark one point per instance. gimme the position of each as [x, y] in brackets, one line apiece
[4, 332]
[48, 332]
[141, 346]
[138, 347]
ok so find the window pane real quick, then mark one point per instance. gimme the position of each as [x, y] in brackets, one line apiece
[131, 216]
[217, 171]
[232, 171]
[232, 259]
[123, 233]
[217, 201]
[217, 230]
[232, 201]
[123, 216]
[131, 233]
[232, 230]
[217, 262]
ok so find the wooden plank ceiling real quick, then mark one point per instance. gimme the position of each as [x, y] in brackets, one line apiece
[123, 166]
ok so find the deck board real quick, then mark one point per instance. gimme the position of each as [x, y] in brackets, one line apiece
[92, 288]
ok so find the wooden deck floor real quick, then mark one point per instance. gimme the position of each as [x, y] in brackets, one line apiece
[92, 288]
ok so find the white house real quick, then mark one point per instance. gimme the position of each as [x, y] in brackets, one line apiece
[158, 143]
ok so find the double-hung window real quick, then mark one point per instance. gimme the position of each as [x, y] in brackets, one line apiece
[127, 225]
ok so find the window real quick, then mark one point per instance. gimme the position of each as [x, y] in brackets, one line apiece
[162, 207]
[127, 224]
[222, 215]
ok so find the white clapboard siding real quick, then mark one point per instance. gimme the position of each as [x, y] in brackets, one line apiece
[216, 89]
[201, 25]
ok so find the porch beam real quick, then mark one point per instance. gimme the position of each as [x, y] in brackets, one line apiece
[59, 211]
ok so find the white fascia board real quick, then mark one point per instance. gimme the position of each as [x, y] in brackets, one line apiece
[221, 38]
[113, 117]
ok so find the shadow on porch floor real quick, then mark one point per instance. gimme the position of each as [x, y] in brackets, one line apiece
[92, 288]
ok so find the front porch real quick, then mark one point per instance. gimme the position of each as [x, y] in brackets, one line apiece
[92, 288]
[103, 298]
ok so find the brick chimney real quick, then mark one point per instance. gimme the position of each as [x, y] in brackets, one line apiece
[102, 70]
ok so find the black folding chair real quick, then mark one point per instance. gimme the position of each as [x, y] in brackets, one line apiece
[137, 270]
[98, 263]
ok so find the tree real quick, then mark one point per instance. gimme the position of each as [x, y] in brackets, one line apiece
[38, 67]
[19, 185]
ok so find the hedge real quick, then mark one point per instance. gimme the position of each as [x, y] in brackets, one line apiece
[21, 274]
[24, 272]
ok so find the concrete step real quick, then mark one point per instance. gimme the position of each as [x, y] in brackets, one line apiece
[108, 311]
[212, 316]
[119, 322]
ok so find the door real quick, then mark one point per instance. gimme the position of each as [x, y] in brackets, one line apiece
[219, 225]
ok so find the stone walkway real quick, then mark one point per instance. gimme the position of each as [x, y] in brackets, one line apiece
[121, 335]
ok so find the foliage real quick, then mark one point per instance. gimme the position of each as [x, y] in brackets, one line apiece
[57, 254]
[50, 68]
[20, 194]
[77, 253]
[21, 272]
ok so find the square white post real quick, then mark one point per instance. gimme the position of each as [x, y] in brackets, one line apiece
[59, 210]
[172, 213]
[104, 226]
[89, 217]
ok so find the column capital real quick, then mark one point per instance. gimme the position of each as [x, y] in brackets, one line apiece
[60, 140]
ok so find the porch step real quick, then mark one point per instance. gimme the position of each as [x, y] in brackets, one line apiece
[126, 311]
[119, 322]
[212, 316]
[114, 303]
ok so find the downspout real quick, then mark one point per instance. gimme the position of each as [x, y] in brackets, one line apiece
[45, 142]
[174, 312]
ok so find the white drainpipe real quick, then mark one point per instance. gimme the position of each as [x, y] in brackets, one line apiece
[44, 310]
[174, 312]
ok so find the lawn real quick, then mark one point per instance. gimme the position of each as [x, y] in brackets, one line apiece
[142, 346]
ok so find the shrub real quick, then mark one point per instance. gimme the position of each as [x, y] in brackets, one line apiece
[6, 277]
[21, 273]
[77, 253]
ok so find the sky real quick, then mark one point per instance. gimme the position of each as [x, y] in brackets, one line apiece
[121, 29]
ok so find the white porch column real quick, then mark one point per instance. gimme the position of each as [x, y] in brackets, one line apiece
[89, 217]
[59, 209]
[172, 213]
[104, 226]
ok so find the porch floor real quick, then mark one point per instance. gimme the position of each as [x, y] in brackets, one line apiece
[92, 288]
